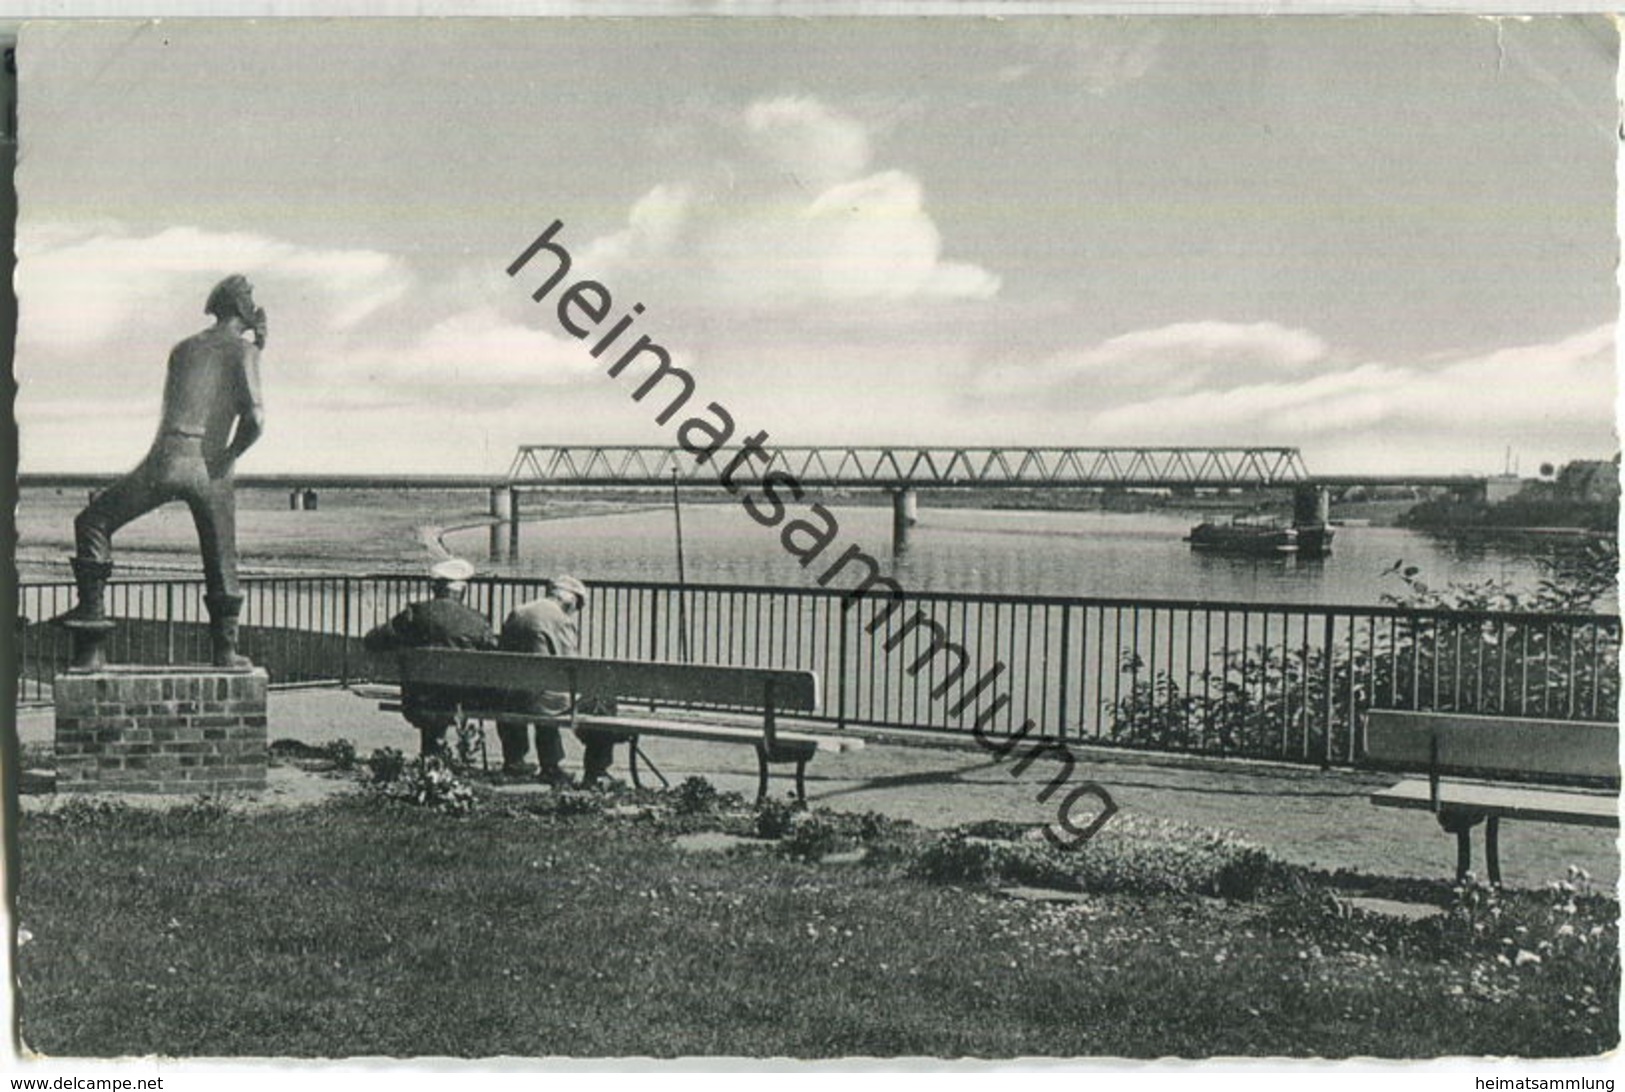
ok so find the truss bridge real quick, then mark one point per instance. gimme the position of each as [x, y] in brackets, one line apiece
[920, 467]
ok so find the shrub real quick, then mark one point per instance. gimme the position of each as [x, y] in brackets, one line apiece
[1253, 699]
[964, 858]
[383, 767]
[812, 837]
[872, 826]
[91, 814]
[1564, 935]
[341, 753]
[89, 811]
[775, 818]
[695, 796]
[1001, 829]
[1153, 856]
[470, 741]
[577, 803]
[426, 781]
[1134, 855]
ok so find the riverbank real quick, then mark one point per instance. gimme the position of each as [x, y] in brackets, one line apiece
[1517, 515]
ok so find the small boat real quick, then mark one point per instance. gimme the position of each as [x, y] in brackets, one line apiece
[1266, 537]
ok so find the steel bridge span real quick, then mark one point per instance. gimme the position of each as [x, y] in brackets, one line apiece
[919, 467]
[901, 471]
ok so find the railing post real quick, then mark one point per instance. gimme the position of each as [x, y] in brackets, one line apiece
[1331, 686]
[169, 624]
[840, 671]
[344, 634]
[1066, 664]
[654, 624]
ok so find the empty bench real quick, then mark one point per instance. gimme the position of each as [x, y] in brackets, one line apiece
[487, 686]
[1482, 769]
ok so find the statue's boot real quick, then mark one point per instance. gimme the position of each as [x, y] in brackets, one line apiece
[223, 611]
[88, 622]
[91, 577]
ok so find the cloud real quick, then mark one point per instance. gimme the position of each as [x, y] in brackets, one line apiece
[84, 285]
[472, 356]
[1179, 357]
[868, 239]
[800, 218]
[807, 141]
[653, 229]
[1550, 400]
[1099, 55]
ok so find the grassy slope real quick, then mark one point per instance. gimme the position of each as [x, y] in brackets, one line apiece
[363, 928]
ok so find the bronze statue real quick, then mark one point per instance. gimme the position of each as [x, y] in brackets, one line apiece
[211, 415]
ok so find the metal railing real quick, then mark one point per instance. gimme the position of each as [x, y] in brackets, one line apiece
[1270, 681]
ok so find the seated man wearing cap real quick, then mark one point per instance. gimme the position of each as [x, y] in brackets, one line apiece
[549, 626]
[441, 622]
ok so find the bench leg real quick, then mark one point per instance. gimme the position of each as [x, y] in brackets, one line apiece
[1461, 824]
[801, 781]
[632, 761]
[1464, 855]
[1492, 848]
[761, 774]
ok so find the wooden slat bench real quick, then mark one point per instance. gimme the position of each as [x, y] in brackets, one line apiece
[1485, 769]
[498, 685]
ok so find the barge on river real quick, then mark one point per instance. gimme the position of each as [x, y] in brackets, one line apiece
[1262, 537]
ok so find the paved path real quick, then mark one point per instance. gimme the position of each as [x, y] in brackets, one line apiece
[1302, 815]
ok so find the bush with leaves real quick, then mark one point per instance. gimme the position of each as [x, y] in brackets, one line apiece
[92, 814]
[427, 781]
[341, 753]
[694, 796]
[812, 837]
[470, 745]
[383, 767]
[1465, 647]
[814, 834]
[1564, 938]
[775, 817]
[578, 802]
[1134, 855]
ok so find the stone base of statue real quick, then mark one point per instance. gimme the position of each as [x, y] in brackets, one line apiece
[136, 729]
[89, 636]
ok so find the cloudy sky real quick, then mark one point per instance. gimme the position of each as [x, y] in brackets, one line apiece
[1387, 241]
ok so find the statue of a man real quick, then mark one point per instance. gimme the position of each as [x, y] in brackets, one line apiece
[211, 415]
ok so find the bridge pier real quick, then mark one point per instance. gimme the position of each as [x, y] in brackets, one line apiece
[1311, 505]
[501, 518]
[296, 499]
[905, 513]
[513, 521]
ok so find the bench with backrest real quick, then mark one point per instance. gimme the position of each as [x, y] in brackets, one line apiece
[1485, 769]
[497, 686]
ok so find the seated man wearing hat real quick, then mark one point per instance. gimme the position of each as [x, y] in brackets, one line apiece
[550, 626]
[441, 622]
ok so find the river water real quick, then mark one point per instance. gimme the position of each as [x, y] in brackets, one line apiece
[1089, 553]
[1129, 555]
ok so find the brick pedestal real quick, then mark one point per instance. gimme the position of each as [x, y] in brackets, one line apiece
[160, 730]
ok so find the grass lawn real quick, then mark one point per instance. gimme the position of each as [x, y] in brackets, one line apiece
[368, 926]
